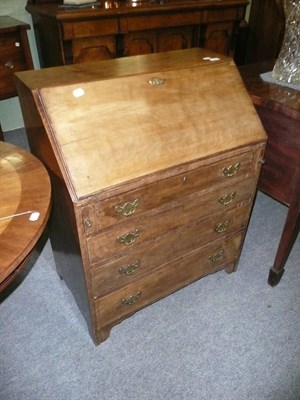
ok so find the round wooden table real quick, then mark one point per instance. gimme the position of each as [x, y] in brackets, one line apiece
[25, 201]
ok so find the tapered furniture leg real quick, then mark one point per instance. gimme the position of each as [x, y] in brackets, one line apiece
[288, 237]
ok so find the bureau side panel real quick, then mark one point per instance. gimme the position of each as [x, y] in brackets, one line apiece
[62, 222]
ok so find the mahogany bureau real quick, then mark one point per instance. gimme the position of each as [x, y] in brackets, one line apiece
[154, 162]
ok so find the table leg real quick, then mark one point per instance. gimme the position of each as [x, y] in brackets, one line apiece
[288, 237]
[1, 134]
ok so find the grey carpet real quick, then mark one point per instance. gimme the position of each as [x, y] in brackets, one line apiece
[224, 337]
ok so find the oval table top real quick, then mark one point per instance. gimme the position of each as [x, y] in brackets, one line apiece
[25, 202]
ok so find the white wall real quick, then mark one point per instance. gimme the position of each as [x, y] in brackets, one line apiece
[10, 112]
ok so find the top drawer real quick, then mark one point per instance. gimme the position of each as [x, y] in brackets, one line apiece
[102, 214]
[75, 30]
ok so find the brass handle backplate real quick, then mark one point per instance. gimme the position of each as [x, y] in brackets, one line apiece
[129, 237]
[128, 301]
[156, 81]
[227, 199]
[216, 256]
[222, 226]
[9, 65]
[130, 268]
[231, 170]
[127, 208]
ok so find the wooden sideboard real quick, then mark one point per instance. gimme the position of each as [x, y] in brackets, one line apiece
[153, 175]
[112, 29]
[15, 54]
[266, 30]
[279, 110]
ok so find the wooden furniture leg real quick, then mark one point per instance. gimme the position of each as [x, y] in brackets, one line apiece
[1, 134]
[288, 237]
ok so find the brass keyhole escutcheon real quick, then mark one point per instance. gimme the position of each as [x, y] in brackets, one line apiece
[155, 81]
[87, 222]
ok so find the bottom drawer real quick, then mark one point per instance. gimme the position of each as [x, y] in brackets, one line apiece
[171, 277]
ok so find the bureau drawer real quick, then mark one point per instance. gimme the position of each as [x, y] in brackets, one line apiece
[149, 227]
[131, 267]
[173, 276]
[120, 208]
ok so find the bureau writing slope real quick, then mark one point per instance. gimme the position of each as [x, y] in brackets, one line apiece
[154, 162]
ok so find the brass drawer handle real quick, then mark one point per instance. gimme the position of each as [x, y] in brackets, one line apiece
[127, 208]
[217, 256]
[156, 81]
[9, 65]
[130, 268]
[129, 237]
[222, 226]
[231, 170]
[131, 299]
[227, 199]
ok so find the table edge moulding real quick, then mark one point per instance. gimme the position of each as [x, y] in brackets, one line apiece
[25, 204]
[154, 161]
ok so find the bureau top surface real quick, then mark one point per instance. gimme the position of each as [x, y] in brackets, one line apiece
[126, 125]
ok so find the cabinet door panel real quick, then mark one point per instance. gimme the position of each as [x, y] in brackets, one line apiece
[218, 37]
[94, 49]
[137, 43]
[176, 39]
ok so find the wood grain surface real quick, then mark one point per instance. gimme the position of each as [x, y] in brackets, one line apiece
[25, 194]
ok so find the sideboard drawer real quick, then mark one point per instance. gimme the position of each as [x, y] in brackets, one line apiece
[216, 16]
[167, 280]
[138, 23]
[81, 29]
